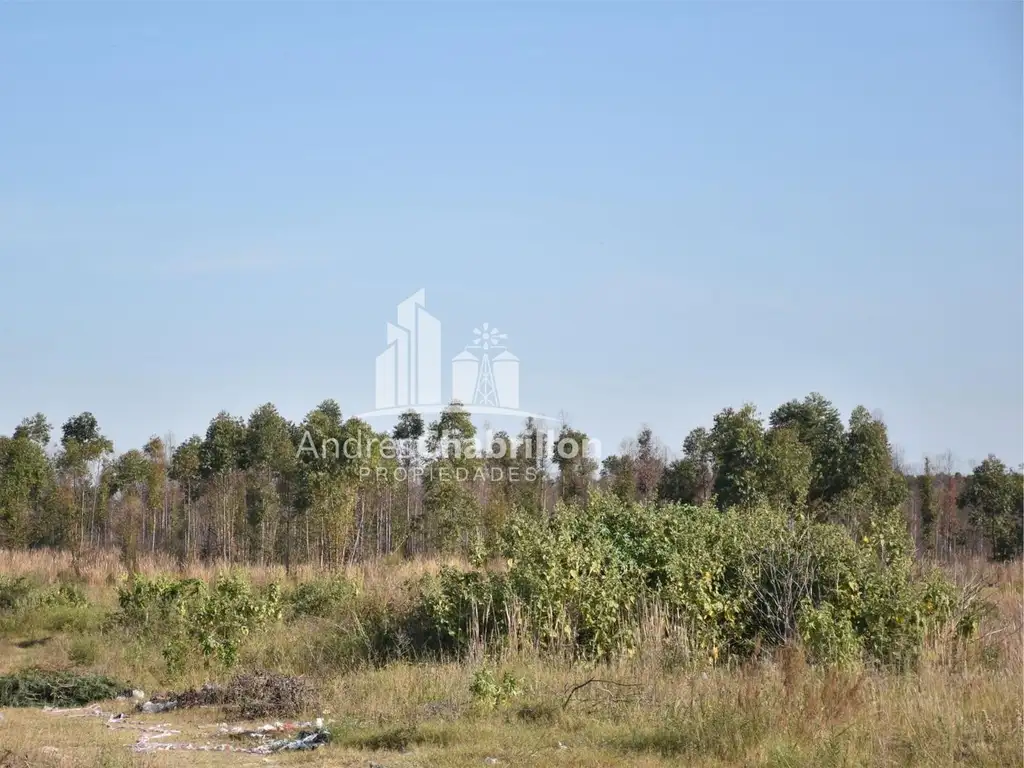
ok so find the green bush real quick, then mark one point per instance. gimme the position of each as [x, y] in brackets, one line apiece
[828, 634]
[190, 617]
[36, 687]
[320, 598]
[487, 690]
[15, 592]
[734, 581]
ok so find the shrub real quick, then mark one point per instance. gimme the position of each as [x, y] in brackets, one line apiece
[83, 651]
[491, 693]
[34, 687]
[15, 592]
[828, 634]
[734, 580]
[189, 616]
[320, 598]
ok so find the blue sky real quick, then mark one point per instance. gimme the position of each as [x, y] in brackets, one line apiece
[669, 208]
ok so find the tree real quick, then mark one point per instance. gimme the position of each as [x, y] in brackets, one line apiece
[788, 470]
[35, 428]
[84, 452]
[928, 514]
[649, 463]
[448, 487]
[407, 433]
[156, 486]
[268, 458]
[691, 479]
[131, 473]
[221, 456]
[532, 457]
[186, 470]
[868, 461]
[617, 475]
[26, 476]
[994, 498]
[575, 465]
[740, 457]
[818, 426]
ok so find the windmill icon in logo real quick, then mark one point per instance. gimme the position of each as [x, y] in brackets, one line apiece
[483, 380]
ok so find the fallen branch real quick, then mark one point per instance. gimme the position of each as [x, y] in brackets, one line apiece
[585, 683]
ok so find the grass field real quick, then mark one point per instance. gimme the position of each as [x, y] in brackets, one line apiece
[962, 705]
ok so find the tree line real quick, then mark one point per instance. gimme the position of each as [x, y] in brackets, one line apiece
[247, 491]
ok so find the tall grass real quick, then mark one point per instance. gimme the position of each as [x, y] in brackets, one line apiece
[667, 704]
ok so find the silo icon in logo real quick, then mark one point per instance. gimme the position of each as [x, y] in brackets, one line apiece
[506, 379]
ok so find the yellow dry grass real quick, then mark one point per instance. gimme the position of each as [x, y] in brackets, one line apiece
[962, 707]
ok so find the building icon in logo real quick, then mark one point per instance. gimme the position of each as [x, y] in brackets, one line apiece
[484, 374]
[409, 370]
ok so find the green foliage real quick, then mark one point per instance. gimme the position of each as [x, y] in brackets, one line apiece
[828, 634]
[739, 446]
[190, 617]
[36, 687]
[64, 594]
[994, 498]
[26, 478]
[448, 483]
[734, 582]
[18, 593]
[490, 692]
[320, 598]
[928, 510]
[819, 427]
[14, 591]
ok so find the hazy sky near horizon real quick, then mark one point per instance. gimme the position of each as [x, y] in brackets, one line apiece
[668, 207]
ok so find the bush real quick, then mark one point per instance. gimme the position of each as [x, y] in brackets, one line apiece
[828, 635]
[190, 617]
[491, 693]
[36, 687]
[734, 581]
[320, 598]
[15, 592]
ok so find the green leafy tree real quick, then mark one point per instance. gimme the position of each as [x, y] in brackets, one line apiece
[575, 465]
[407, 433]
[325, 484]
[994, 498]
[449, 499]
[84, 451]
[532, 457]
[130, 480]
[269, 459]
[221, 456]
[26, 477]
[617, 475]
[928, 509]
[869, 463]
[741, 458]
[156, 487]
[691, 479]
[818, 425]
[788, 470]
[35, 428]
[186, 470]
[650, 464]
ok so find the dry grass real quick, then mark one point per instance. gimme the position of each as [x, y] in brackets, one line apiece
[962, 707]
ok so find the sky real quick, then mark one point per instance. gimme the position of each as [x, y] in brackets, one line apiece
[670, 208]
